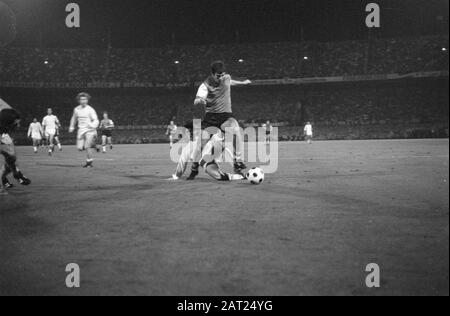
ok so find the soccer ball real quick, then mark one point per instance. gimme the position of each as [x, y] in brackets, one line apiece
[255, 176]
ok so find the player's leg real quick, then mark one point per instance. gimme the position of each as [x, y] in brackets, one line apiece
[51, 146]
[90, 144]
[233, 124]
[58, 143]
[171, 140]
[110, 143]
[104, 139]
[10, 166]
[35, 145]
[213, 170]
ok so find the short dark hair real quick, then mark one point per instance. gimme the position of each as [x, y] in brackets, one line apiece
[83, 95]
[217, 67]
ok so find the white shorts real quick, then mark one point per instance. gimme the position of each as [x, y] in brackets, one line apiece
[50, 133]
[86, 140]
[36, 136]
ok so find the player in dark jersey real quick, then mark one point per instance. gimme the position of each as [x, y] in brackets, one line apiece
[215, 95]
[106, 126]
[9, 120]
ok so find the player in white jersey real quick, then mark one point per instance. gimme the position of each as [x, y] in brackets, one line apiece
[35, 132]
[85, 117]
[51, 124]
[9, 120]
[308, 130]
[213, 153]
[171, 131]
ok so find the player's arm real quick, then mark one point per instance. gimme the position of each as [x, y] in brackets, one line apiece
[202, 95]
[240, 83]
[94, 119]
[112, 124]
[73, 121]
[58, 124]
[44, 124]
[29, 131]
[4, 105]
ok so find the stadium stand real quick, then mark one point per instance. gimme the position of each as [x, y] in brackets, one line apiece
[379, 108]
[188, 64]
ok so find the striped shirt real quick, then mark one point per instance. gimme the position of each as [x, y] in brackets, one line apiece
[216, 94]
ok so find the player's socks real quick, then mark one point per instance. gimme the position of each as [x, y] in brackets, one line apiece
[111, 147]
[104, 149]
[35, 150]
[194, 172]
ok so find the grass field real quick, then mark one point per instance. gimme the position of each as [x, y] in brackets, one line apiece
[310, 229]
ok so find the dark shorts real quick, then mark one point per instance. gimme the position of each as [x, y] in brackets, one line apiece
[107, 133]
[216, 119]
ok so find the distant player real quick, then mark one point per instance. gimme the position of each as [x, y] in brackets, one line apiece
[35, 132]
[171, 131]
[215, 95]
[308, 130]
[9, 120]
[51, 124]
[106, 127]
[85, 117]
[268, 128]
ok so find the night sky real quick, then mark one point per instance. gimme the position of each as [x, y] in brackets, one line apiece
[156, 23]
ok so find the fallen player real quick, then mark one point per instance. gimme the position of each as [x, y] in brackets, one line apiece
[213, 153]
[9, 120]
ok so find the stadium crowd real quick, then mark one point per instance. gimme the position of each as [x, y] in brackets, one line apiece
[189, 64]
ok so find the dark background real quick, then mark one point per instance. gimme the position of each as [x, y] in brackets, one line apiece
[156, 23]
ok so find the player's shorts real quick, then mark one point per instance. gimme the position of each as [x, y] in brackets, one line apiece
[50, 133]
[7, 145]
[87, 140]
[215, 119]
[36, 137]
[107, 133]
[268, 133]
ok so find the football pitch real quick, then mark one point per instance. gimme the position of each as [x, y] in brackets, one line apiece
[311, 229]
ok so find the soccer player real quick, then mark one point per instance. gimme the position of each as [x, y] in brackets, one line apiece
[212, 154]
[171, 131]
[268, 128]
[35, 132]
[106, 126]
[87, 120]
[308, 130]
[9, 120]
[51, 124]
[215, 95]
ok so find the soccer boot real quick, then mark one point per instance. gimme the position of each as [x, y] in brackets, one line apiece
[22, 179]
[239, 167]
[7, 184]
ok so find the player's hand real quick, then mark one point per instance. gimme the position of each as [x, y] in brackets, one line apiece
[71, 130]
[247, 82]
